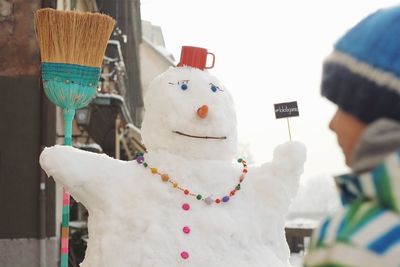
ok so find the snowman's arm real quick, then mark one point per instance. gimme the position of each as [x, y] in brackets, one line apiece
[281, 176]
[83, 174]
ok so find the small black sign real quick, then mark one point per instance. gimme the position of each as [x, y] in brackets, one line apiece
[284, 110]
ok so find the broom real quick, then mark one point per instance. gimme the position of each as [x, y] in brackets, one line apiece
[72, 46]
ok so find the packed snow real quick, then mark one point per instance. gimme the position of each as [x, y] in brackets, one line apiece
[135, 219]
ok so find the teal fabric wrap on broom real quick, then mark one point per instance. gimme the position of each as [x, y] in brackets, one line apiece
[69, 85]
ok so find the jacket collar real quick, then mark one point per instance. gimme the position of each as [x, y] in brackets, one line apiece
[381, 184]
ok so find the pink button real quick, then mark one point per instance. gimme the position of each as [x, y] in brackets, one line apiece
[184, 255]
[186, 206]
[186, 229]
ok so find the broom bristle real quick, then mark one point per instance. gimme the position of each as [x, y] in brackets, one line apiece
[72, 37]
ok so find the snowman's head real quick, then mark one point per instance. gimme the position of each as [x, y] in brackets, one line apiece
[190, 113]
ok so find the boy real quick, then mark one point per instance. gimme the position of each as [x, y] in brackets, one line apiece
[362, 77]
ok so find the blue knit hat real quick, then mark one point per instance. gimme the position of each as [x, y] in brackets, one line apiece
[362, 75]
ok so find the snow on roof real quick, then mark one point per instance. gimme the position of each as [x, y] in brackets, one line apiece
[115, 96]
[133, 127]
[303, 223]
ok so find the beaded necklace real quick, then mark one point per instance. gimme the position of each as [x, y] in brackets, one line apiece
[209, 199]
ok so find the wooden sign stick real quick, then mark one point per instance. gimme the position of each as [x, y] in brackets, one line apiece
[288, 126]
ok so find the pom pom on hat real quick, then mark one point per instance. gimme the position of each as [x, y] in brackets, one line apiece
[362, 75]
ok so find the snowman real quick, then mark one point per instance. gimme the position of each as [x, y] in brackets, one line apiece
[186, 201]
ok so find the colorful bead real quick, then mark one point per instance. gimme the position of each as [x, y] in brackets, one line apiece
[186, 206]
[240, 160]
[232, 193]
[218, 201]
[238, 187]
[241, 178]
[140, 159]
[225, 199]
[198, 197]
[245, 171]
[145, 165]
[184, 255]
[165, 177]
[209, 200]
[153, 170]
[175, 184]
[186, 229]
[186, 192]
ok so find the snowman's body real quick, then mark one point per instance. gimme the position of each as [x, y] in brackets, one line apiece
[138, 220]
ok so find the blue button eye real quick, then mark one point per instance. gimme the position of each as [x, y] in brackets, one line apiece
[214, 88]
[184, 86]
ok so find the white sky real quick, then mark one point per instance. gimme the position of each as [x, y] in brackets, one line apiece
[268, 52]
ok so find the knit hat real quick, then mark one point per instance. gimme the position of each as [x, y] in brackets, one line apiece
[362, 75]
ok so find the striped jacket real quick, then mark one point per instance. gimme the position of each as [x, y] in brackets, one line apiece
[366, 232]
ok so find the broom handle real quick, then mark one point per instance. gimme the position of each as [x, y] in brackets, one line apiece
[68, 117]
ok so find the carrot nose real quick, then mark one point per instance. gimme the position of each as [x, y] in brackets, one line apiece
[202, 111]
